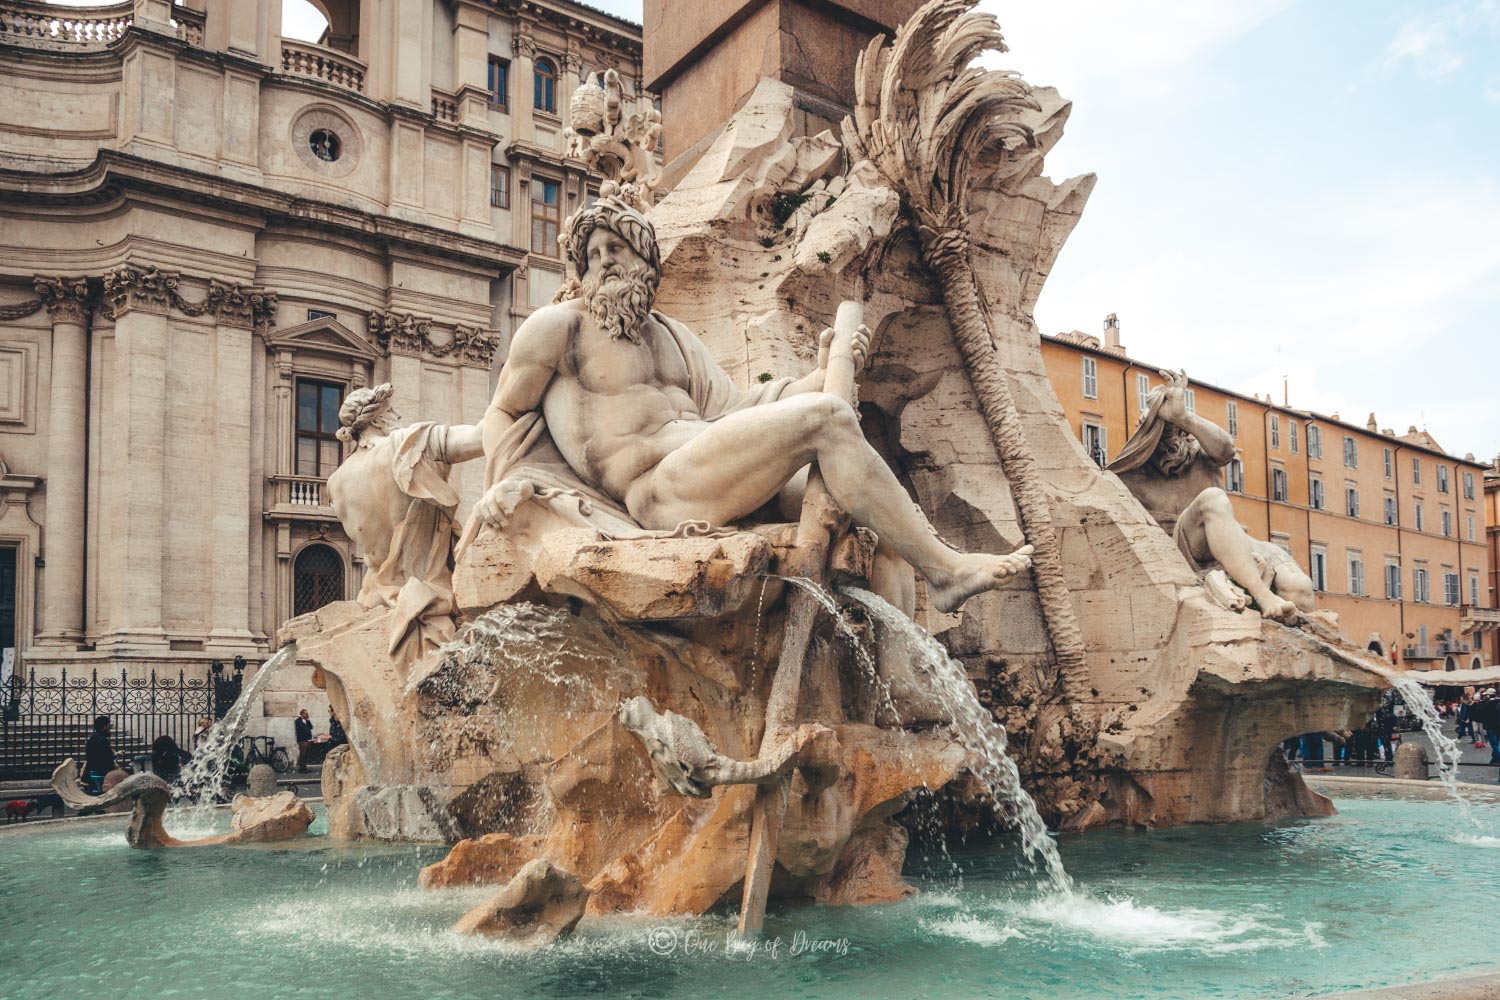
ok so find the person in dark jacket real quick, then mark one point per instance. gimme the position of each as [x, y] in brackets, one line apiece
[336, 734]
[98, 756]
[304, 740]
[1486, 712]
[167, 759]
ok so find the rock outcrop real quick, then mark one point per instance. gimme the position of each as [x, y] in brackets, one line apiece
[539, 905]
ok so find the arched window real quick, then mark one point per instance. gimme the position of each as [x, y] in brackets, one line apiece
[317, 579]
[545, 97]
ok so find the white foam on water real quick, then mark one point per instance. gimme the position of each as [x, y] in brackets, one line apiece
[1476, 840]
[975, 930]
[1126, 924]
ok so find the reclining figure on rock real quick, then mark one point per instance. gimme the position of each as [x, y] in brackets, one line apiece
[1173, 463]
[621, 416]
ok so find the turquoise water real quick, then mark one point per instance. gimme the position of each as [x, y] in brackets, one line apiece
[1384, 893]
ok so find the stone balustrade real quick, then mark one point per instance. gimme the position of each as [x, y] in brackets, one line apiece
[45, 25]
[323, 64]
[303, 491]
[444, 106]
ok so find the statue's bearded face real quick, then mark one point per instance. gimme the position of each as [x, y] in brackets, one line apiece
[1176, 451]
[618, 284]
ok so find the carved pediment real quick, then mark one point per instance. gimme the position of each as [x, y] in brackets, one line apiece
[324, 336]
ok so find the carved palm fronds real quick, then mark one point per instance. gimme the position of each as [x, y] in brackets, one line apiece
[923, 116]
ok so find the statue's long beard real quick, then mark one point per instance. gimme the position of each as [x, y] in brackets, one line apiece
[620, 307]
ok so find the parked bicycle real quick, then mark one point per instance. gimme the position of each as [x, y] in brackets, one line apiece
[263, 750]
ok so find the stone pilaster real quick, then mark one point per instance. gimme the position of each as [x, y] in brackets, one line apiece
[231, 513]
[68, 302]
[523, 83]
[133, 515]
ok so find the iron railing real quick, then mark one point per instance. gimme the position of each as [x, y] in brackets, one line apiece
[48, 718]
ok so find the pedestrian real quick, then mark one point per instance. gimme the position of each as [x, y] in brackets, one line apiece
[98, 756]
[304, 739]
[1485, 712]
[167, 759]
[204, 725]
[336, 734]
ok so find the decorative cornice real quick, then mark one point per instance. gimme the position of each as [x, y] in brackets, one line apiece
[69, 300]
[150, 289]
[401, 333]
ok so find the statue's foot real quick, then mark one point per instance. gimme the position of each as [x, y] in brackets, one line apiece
[975, 573]
[1276, 607]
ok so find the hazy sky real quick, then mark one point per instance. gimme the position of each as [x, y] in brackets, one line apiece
[1307, 189]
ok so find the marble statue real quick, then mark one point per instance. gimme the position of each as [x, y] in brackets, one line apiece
[393, 497]
[613, 139]
[1172, 464]
[624, 415]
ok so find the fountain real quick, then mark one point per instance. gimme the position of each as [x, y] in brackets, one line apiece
[618, 709]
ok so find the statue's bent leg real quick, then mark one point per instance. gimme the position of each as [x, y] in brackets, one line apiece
[1214, 535]
[741, 461]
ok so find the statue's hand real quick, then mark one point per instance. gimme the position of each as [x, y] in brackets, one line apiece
[859, 346]
[498, 505]
[1174, 403]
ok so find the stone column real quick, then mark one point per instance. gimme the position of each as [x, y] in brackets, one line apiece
[67, 301]
[522, 83]
[230, 552]
[132, 484]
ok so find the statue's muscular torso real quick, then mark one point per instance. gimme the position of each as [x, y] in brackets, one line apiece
[614, 408]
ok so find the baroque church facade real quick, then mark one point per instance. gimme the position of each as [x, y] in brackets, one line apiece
[209, 235]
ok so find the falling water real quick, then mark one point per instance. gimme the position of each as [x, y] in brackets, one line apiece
[979, 733]
[1449, 752]
[203, 777]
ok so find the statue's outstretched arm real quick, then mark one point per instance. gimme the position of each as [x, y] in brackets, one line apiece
[534, 356]
[1213, 440]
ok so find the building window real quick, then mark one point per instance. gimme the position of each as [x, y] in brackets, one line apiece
[1390, 510]
[1468, 485]
[1318, 564]
[1469, 527]
[1419, 591]
[313, 314]
[546, 215]
[1442, 478]
[1090, 378]
[1291, 435]
[1234, 476]
[1419, 515]
[499, 82]
[1278, 485]
[1351, 501]
[1096, 441]
[1232, 412]
[545, 98]
[1315, 494]
[1275, 431]
[1388, 463]
[1356, 575]
[1450, 589]
[499, 186]
[1314, 442]
[1142, 390]
[1416, 471]
[1392, 581]
[1474, 589]
[1190, 400]
[318, 451]
[1351, 453]
[317, 579]
[1447, 523]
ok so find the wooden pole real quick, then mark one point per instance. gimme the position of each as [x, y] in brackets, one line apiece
[809, 559]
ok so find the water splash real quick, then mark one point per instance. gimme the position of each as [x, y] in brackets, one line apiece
[203, 778]
[1449, 752]
[979, 733]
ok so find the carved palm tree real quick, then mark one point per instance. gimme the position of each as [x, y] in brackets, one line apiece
[922, 116]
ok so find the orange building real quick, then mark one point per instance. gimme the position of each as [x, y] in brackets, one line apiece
[1392, 529]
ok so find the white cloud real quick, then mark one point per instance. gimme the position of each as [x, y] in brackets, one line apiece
[1433, 41]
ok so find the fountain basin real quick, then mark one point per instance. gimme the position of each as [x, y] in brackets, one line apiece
[1306, 908]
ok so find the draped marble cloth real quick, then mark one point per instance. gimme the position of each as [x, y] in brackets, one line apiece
[416, 578]
[526, 452]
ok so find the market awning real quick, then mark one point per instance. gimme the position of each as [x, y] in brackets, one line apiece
[1454, 678]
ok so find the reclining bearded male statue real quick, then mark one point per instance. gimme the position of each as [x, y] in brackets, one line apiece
[1171, 463]
[619, 418]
